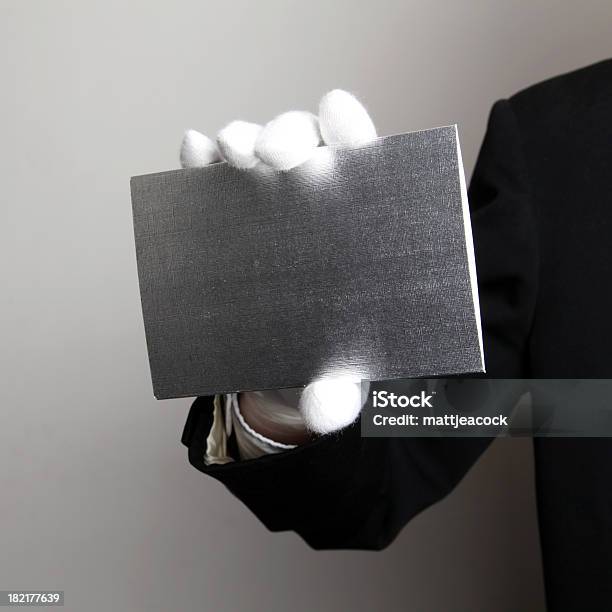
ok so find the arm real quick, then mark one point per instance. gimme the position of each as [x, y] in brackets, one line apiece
[344, 491]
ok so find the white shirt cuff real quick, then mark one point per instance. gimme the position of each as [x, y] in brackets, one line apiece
[251, 444]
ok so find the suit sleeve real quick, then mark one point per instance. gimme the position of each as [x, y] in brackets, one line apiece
[343, 491]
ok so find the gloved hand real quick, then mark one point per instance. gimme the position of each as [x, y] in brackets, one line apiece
[286, 142]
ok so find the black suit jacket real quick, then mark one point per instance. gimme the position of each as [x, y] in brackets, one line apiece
[541, 201]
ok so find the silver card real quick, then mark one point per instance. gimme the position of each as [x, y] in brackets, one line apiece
[359, 262]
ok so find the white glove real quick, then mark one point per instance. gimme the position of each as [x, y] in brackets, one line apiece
[286, 142]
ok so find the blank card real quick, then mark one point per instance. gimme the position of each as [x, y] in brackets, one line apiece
[359, 262]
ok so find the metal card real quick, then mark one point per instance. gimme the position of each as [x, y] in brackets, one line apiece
[358, 262]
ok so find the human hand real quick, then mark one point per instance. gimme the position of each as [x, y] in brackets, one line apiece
[284, 143]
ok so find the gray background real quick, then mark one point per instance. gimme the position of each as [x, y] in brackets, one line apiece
[96, 495]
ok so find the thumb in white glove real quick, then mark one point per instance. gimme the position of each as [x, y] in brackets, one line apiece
[287, 141]
[330, 404]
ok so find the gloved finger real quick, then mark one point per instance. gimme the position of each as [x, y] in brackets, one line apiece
[330, 404]
[236, 142]
[344, 120]
[198, 150]
[288, 140]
